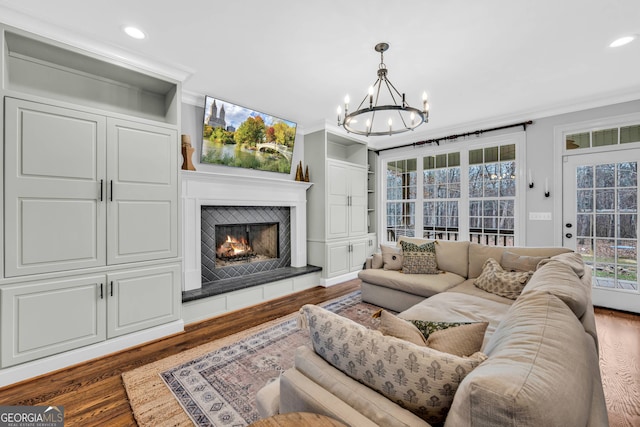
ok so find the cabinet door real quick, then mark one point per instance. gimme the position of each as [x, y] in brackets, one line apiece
[359, 249]
[54, 189]
[337, 259]
[337, 197]
[51, 317]
[142, 215]
[358, 201]
[142, 298]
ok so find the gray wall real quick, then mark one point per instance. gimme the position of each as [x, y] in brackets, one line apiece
[540, 159]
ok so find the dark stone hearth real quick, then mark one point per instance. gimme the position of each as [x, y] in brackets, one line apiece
[223, 286]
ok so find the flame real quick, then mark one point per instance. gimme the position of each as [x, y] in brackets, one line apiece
[238, 246]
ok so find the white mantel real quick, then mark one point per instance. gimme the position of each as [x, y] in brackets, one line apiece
[217, 189]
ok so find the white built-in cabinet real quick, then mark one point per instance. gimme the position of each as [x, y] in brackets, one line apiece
[336, 203]
[90, 200]
[46, 317]
[114, 203]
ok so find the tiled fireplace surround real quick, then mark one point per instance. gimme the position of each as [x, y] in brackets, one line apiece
[214, 189]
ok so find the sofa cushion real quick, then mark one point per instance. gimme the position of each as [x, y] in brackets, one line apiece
[515, 262]
[420, 379]
[418, 284]
[391, 257]
[478, 254]
[540, 361]
[419, 259]
[558, 276]
[452, 256]
[508, 284]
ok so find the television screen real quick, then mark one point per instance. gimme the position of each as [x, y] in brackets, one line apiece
[237, 136]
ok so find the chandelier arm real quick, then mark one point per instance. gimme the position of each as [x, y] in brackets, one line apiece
[394, 88]
[402, 120]
[389, 86]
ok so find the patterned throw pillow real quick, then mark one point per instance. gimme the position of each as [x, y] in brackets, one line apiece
[391, 257]
[420, 379]
[419, 259]
[494, 279]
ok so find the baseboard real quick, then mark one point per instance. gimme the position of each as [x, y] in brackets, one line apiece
[49, 364]
[330, 281]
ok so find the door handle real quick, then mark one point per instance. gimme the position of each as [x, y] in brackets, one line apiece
[111, 198]
[568, 235]
[568, 225]
[101, 291]
[101, 188]
[111, 291]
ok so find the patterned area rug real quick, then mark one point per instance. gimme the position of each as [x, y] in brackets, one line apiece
[216, 386]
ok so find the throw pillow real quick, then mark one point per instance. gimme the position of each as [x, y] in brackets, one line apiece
[419, 259]
[391, 257]
[427, 327]
[420, 379]
[515, 262]
[400, 328]
[494, 279]
[463, 340]
[376, 261]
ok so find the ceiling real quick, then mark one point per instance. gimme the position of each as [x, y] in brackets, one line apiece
[482, 63]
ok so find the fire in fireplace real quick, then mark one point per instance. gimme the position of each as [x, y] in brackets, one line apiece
[244, 243]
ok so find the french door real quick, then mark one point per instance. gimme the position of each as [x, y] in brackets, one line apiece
[600, 221]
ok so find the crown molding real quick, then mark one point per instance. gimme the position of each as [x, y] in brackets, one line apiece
[21, 21]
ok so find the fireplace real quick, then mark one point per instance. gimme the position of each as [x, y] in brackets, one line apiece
[237, 241]
[242, 243]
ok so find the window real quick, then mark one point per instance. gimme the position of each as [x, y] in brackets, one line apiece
[402, 188]
[603, 137]
[492, 191]
[441, 195]
[456, 193]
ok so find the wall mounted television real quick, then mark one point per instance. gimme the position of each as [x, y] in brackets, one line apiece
[240, 137]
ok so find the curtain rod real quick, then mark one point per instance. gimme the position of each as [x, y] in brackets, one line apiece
[456, 136]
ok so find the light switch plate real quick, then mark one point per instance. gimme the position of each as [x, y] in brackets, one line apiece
[540, 216]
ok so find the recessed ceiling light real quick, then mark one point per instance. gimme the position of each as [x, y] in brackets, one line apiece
[135, 33]
[622, 41]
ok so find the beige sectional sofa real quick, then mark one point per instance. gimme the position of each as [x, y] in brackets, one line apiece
[540, 351]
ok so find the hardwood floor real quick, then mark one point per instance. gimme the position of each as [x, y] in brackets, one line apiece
[619, 340]
[93, 395]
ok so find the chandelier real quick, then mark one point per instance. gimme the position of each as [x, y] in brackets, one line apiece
[397, 116]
